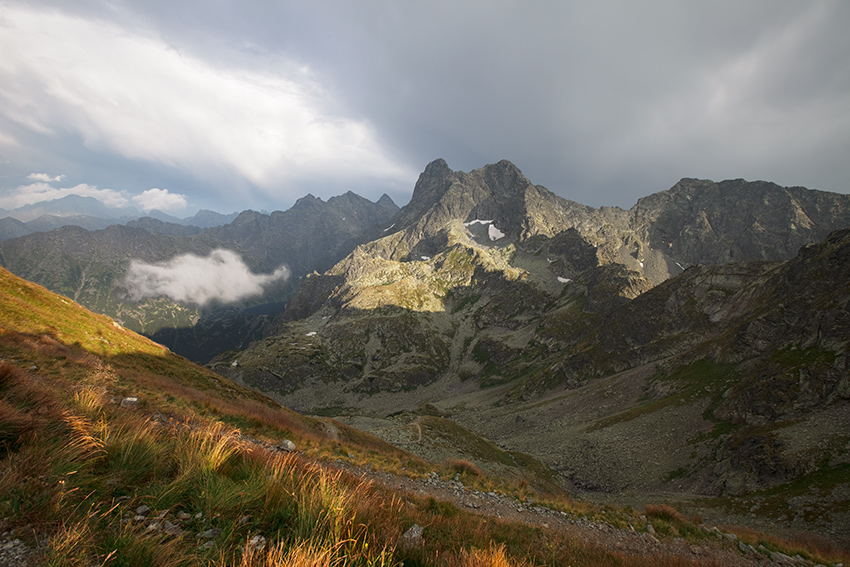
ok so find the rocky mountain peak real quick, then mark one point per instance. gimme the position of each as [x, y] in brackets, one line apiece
[485, 193]
[246, 217]
[386, 201]
[489, 202]
[505, 179]
[494, 205]
[308, 201]
[348, 199]
[437, 168]
[432, 184]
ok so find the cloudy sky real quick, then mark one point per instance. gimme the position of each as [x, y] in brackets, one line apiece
[252, 104]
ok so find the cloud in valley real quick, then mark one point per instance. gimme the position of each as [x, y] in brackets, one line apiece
[221, 277]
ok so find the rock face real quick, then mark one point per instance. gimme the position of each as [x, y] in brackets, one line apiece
[483, 270]
[702, 222]
[584, 335]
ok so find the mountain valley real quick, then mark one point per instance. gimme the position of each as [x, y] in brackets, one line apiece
[692, 349]
[114, 450]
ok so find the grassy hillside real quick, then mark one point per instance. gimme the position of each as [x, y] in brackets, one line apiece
[188, 473]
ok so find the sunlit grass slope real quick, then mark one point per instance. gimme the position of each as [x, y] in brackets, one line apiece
[186, 476]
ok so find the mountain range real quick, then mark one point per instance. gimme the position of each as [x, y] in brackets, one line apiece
[693, 346]
[91, 266]
[92, 214]
[696, 344]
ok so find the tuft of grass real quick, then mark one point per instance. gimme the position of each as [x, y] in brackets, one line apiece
[15, 425]
[312, 553]
[464, 467]
[9, 374]
[493, 556]
[668, 521]
[666, 513]
[71, 546]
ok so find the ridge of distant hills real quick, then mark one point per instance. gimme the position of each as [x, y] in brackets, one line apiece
[91, 214]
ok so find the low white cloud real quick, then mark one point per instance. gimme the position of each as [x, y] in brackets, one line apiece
[42, 191]
[221, 277]
[43, 188]
[161, 200]
[45, 177]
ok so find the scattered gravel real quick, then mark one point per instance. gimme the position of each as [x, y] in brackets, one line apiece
[16, 553]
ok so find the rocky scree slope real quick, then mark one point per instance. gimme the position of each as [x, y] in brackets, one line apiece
[728, 381]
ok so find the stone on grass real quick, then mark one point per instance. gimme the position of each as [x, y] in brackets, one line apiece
[413, 536]
[211, 533]
[257, 543]
[171, 529]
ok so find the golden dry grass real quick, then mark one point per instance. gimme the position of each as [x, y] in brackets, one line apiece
[465, 466]
[666, 513]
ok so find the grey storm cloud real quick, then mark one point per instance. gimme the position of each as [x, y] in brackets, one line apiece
[602, 102]
[221, 277]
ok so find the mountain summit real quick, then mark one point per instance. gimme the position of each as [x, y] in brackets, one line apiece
[494, 203]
